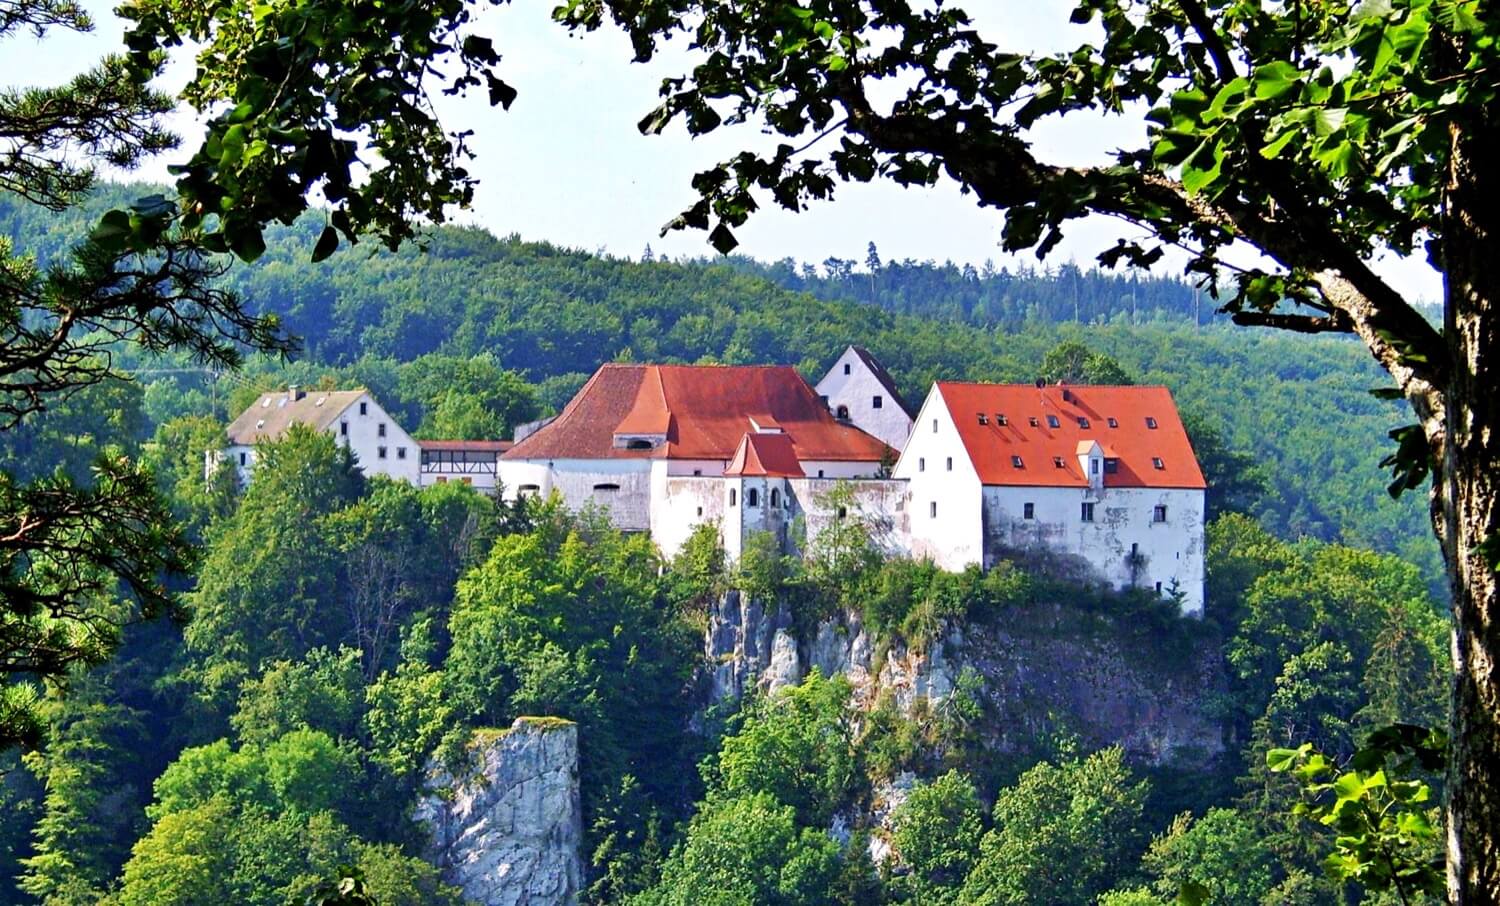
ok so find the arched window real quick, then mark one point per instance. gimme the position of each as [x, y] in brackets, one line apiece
[752, 497]
[775, 497]
[528, 489]
[638, 444]
[841, 413]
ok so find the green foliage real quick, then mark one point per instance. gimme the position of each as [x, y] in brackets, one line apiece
[1071, 362]
[323, 692]
[936, 832]
[1386, 823]
[1222, 851]
[1059, 834]
[698, 571]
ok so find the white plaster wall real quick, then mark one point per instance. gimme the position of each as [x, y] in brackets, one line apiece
[827, 468]
[707, 467]
[880, 503]
[680, 504]
[629, 507]
[1172, 550]
[364, 439]
[857, 390]
[954, 537]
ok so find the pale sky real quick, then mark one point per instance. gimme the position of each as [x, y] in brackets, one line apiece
[567, 164]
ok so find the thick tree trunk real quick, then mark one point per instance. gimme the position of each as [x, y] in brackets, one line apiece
[1466, 511]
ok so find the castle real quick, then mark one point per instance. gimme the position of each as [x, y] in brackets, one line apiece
[1101, 480]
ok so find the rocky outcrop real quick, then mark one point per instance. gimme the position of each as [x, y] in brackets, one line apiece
[1032, 681]
[507, 827]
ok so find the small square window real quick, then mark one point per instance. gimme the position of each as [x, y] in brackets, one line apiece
[1113, 423]
[1159, 514]
[877, 402]
[984, 419]
[400, 452]
[1088, 512]
[1000, 419]
[697, 472]
[380, 452]
[1016, 462]
[1157, 463]
[1057, 461]
[1033, 422]
[1111, 466]
[932, 509]
[1052, 421]
[1150, 422]
[380, 430]
[1083, 422]
[950, 464]
[820, 473]
[1028, 511]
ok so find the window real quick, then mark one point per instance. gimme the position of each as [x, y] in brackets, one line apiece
[364, 408]
[921, 463]
[1028, 511]
[843, 511]
[1157, 464]
[877, 402]
[442, 479]
[1033, 422]
[846, 367]
[1083, 422]
[1160, 513]
[697, 472]
[380, 452]
[1057, 461]
[984, 419]
[1111, 465]
[242, 459]
[820, 473]
[606, 486]
[380, 430]
[344, 429]
[531, 489]
[1094, 466]
[400, 452]
[950, 464]
[732, 497]
[1150, 422]
[752, 497]
[1000, 419]
[775, 497]
[700, 511]
[1015, 462]
[638, 444]
[842, 413]
[1088, 512]
[934, 426]
[932, 509]
[1158, 588]
[1113, 423]
[467, 480]
[1052, 421]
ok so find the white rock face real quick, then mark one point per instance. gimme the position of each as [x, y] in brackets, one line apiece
[507, 830]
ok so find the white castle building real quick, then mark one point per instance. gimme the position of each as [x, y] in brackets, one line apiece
[1096, 482]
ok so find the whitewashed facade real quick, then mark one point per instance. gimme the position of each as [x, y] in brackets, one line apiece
[858, 390]
[353, 417]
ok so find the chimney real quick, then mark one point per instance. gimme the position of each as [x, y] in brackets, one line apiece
[294, 393]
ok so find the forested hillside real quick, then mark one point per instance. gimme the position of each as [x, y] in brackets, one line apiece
[1297, 406]
[336, 633]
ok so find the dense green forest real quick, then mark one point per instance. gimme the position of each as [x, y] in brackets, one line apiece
[276, 729]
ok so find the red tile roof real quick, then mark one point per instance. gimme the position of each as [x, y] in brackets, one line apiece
[771, 455]
[479, 446]
[703, 411]
[991, 446]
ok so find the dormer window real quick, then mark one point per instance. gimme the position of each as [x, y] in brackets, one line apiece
[1057, 461]
[1113, 422]
[1083, 422]
[1111, 465]
[1031, 420]
[1015, 462]
[1052, 422]
[984, 419]
[1156, 463]
[1150, 422]
[1000, 419]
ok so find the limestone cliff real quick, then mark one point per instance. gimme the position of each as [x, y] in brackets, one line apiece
[1031, 680]
[507, 827]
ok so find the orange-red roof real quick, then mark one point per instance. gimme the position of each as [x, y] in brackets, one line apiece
[477, 446]
[771, 455]
[992, 446]
[702, 411]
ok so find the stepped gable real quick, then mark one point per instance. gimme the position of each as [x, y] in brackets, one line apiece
[272, 414]
[697, 412]
[1119, 419]
[765, 455]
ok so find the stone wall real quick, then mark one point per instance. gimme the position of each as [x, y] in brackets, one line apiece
[507, 827]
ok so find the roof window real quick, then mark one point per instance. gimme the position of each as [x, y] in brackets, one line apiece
[1113, 423]
[260, 423]
[1150, 422]
[985, 419]
[1111, 465]
[1033, 422]
[1016, 462]
[265, 403]
[1057, 461]
[1157, 463]
[1083, 422]
[1000, 419]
